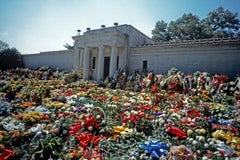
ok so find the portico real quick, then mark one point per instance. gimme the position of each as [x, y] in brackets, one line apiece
[96, 48]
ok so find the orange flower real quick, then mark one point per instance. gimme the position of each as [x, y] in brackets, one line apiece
[115, 98]
[15, 134]
[2, 147]
[28, 104]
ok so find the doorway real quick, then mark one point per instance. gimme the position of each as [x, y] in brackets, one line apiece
[106, 66]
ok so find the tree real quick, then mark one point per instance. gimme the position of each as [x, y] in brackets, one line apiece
[160, 32]
[185, 28]
[218, 23]
[9, 57]
[224, 23]
[68, 46]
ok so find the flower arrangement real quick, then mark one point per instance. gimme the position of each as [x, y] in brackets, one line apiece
[32, 117]
[56, 117]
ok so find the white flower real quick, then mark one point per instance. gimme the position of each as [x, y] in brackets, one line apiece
[98, 116]
[194, 142]
[217, 153]
[90, 128]
[201, 138]
[161, 121]
[211, 142]
[73, 108]
[190, 139]
[134, 112]
[88, 105]
[112, 105]
[206, 145]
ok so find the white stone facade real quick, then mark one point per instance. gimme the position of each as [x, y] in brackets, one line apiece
[219, 56]
[54, 59]
[102, 51]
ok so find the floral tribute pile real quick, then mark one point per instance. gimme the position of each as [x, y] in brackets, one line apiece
[50, 115]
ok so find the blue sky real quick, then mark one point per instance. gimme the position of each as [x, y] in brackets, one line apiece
[32, 26]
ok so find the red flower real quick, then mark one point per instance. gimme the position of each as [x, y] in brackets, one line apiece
[84, 89]
[75, 128]
[208, 154]
[91, 122]
[69, 92]
[194, 113]
[86, 139]
[222, 153]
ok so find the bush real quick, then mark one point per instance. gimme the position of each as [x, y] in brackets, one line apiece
[10, 58]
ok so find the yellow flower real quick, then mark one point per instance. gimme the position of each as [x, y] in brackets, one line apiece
[1, 137]
[233, 146]
[189, 132]
[32, 116]
[218, 134]
[121, 130]
[203, 131]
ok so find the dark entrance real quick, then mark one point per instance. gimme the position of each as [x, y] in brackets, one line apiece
[106, 66]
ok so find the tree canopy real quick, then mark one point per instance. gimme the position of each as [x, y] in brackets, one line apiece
[218, 23]
[9, 57]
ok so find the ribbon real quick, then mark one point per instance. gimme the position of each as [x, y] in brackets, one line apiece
[7, 154]
[212, 120]
[226, 150]
[180, 134]
[226, 122]
[155, 149]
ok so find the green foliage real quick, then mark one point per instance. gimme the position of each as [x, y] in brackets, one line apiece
[185, 28]
[160, 32]
[9, 57]
[68, 46]
[223, 22]
[218, 23]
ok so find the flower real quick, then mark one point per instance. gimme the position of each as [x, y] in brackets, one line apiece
[180, 152]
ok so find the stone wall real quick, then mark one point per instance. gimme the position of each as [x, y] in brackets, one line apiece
[54, 59]
[215, 57]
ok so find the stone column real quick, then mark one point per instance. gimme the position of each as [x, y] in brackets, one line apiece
[81, 58]
[86, 64]
[100, 63]
[76, 63]
[113, 61]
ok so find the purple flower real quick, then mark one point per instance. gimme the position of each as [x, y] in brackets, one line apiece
[79, 108]
[157, 113]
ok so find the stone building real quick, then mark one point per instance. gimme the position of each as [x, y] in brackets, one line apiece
[101, 52]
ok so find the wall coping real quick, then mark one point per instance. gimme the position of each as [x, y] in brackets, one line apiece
[192, 42]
